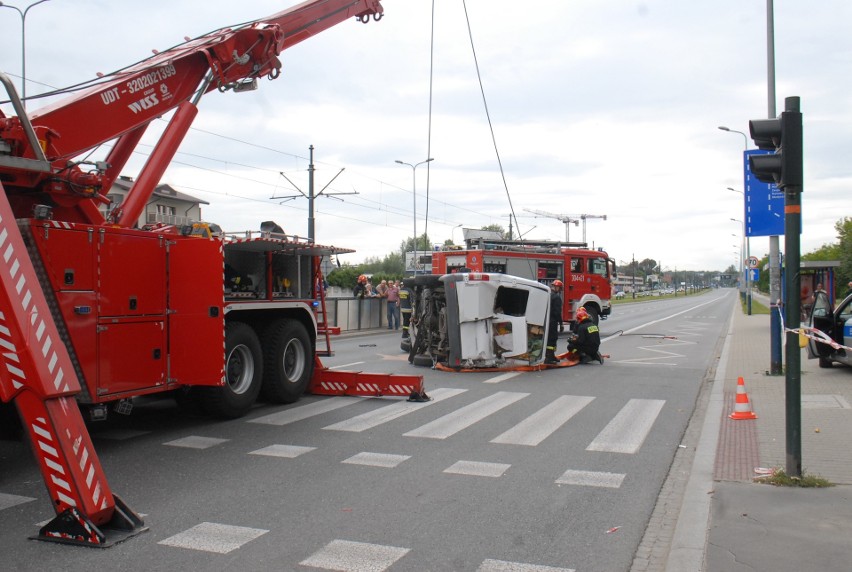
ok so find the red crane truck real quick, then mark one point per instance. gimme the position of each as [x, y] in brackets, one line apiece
[94, 311]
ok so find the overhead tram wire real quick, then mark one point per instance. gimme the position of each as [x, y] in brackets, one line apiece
[490, 124]
[381, 206]
[429, 126]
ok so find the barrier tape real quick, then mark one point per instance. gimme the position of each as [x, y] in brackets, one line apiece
[813, 334]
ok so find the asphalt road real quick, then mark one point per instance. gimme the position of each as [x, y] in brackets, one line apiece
[559, 468]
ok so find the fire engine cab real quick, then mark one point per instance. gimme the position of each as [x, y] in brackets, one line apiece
[586, 273]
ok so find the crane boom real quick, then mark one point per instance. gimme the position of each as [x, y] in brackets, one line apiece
[560, 217]
[37, 169]
[121, 106]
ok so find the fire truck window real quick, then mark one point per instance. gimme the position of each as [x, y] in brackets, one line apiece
[511, 301]
[598, 266]
[577, 265]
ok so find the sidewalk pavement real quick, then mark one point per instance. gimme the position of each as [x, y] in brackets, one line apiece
[728, 523]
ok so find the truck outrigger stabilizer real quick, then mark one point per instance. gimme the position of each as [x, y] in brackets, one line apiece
[72, 527]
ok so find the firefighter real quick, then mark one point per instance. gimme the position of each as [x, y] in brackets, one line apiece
[554, 321]
[586, 341]
[360, 290]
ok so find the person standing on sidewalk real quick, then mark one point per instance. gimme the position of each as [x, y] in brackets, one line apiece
[393, 305]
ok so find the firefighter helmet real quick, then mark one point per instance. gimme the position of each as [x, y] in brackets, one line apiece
[557, 283]
[582, 314]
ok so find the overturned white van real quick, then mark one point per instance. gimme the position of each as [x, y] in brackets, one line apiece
[477, 320]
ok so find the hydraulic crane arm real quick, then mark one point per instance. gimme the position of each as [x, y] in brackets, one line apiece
[36, 166]
[120, 106]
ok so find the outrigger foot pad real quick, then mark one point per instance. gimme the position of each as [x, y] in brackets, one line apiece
[72, 527]
[419, 396]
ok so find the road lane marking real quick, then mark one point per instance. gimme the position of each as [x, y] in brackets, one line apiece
[304, 411]
[347, 556]
[503, 566]
[652, 322]
[213, 537]
[286, 451]
[8, 501]
[383, 460]
[387, 413]
[477, 469]
[454, 422]
[504, 377]
[626, 432]
[537, 427]
[591, 479]
[196, 442]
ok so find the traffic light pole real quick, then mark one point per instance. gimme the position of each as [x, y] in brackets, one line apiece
[784, 168]
[791, 179]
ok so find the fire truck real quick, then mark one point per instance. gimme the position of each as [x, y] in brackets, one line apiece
[587, 274]
[95, 310]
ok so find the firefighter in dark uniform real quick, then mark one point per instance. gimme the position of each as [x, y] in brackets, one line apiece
[554, 321]
[586, 341]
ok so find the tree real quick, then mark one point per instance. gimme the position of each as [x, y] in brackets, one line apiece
[844, 234]
[423, 244]
[496, 228]
[840, 251]
[648, 266]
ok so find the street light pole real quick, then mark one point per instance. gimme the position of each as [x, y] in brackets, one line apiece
[748, 255]
[23, 15]
[745, 217]
[414, 194]
[743, 264]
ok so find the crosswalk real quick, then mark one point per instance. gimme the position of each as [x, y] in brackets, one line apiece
[623, 434]
[456, 410]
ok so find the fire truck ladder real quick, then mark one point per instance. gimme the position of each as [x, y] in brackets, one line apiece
[324, 331]
[38, 376]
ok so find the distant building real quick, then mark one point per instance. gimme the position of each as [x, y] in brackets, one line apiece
[166, 205]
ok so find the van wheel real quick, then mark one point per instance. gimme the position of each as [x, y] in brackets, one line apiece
[243, 374]
[288, 361]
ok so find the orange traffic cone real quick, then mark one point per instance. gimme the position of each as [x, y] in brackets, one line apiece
[742, 407]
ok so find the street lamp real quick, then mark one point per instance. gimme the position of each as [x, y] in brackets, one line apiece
[748, 255]
[743, 268]
[23, 15]
[453, 232]
[745, 139]
[414, 194]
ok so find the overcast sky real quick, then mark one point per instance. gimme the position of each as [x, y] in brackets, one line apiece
[598, 107]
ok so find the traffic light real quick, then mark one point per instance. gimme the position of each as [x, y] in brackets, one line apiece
[783, 135]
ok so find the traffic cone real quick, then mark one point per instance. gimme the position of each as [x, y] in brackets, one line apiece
[742, 407]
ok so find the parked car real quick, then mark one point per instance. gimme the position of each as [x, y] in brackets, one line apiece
[477, 320]
[619, 295]
[836, 324]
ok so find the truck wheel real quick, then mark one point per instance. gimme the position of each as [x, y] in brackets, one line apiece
[288, 361]
[593, 313]
[825, 362]
[243, 374]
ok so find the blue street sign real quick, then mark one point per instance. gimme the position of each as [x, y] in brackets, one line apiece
[755, 275]
[764, 203]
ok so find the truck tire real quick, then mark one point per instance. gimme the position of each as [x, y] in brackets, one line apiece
[288, 361]
[825, 362]
[593, 313]
[243, 375]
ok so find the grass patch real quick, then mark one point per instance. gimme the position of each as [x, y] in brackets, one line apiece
[781, 479]
[756, 307]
